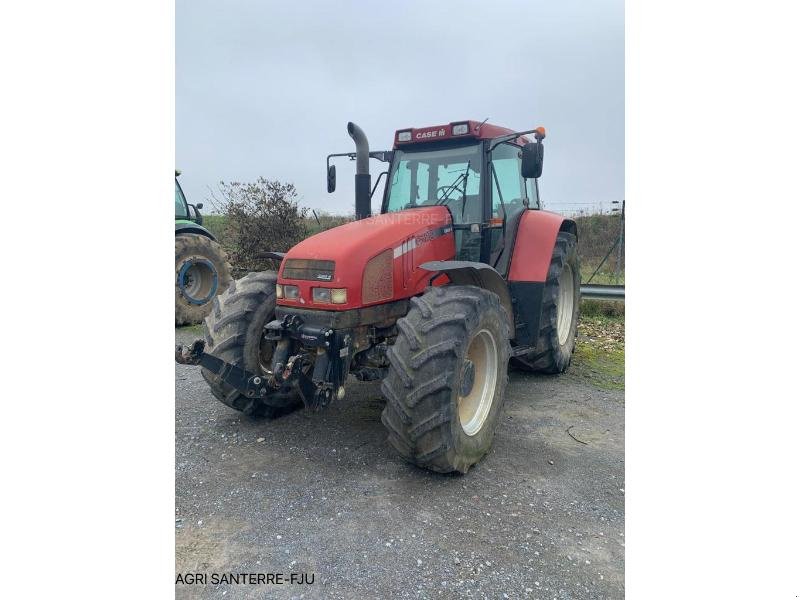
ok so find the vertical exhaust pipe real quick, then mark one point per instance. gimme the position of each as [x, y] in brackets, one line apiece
[363, 179]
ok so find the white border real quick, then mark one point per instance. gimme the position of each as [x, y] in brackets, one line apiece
[712, 415]
[711, 401]
[87, 122]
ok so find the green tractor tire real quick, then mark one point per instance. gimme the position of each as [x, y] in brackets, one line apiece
[202, 271]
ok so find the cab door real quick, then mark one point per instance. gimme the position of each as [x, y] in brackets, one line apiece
[508, 196]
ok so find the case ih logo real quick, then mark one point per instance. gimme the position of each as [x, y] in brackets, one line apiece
[421, 135]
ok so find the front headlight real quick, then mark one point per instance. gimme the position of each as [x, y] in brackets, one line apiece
[321, 295]
[291, 292]
[329, 295]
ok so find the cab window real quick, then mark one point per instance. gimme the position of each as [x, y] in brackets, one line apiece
[448, 177]
[509, 199]
[181, 210]
[533, 193]
[509, 193]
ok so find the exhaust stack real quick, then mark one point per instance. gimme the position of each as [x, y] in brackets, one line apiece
[363, 179]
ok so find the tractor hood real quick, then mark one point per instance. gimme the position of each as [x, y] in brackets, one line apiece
[375, 259]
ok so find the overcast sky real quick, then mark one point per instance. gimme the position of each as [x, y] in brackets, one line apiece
[267, 88]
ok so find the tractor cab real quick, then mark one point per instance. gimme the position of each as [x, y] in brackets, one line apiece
[476, 172]
[485, 175]
[183, 210]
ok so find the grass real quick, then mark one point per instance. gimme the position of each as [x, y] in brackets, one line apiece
[196, 329]
[605, 275]
[215, 224]
[603, 308]
[599, 357]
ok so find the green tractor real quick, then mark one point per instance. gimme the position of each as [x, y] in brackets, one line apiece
[201, 266]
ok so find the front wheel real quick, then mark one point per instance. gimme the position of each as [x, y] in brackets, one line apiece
[235, 334]
[447, 378]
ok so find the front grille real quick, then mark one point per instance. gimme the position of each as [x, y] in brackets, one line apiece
[309, 270]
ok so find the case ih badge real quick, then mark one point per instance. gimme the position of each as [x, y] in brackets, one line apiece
[432, 133]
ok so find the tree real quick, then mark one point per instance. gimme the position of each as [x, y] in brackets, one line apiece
[260, 217]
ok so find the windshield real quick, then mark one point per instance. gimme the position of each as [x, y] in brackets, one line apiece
[449, 177]
[181, 210]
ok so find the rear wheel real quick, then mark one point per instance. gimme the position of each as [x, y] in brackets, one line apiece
[201, 272]
[560, 307]
[447, 378]
[234, 333]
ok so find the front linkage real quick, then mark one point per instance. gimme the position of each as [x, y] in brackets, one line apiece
[319, 366]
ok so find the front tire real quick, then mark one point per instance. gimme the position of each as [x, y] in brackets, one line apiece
[234, 333]
[201, 272]
[560, 310]
[447, 378]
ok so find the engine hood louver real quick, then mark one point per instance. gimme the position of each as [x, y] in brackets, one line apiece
[309, 270]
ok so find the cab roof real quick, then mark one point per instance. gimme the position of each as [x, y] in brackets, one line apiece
[454, 130]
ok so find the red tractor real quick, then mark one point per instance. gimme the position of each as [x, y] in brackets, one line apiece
[460, 274]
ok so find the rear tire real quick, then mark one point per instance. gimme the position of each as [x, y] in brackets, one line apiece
[201, 272]
[447, 377]
[560, 310]
[234, 333]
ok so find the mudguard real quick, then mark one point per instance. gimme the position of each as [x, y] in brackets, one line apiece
[534, 244]
[464, 272]
[182, 227]
[530, 262]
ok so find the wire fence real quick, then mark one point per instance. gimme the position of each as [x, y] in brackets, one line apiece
[601, 239]
[583, 209]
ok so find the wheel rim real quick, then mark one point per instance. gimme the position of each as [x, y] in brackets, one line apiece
[197, 280]
[481, 366]
[266, 349]
[566, 303]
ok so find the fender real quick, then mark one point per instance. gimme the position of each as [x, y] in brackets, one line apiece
[182, 227]
[530, 262]
[535, 240]
[464, 272]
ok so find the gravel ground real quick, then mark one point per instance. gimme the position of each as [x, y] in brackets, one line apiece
[542, 516]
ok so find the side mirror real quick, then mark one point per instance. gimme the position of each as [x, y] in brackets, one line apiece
[331, 178]
[198, 218]
[532, 160]
[199, 205]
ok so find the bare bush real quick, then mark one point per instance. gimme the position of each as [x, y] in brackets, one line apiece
[259, 217]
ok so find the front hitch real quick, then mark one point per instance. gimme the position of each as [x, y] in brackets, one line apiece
[249, 384]
[316, 359]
